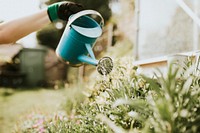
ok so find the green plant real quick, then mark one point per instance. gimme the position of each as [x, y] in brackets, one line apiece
[177, 103]
[122, 83]
[125, 101]
[172, 104]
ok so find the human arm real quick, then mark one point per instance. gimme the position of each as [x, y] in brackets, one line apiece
[16, 29]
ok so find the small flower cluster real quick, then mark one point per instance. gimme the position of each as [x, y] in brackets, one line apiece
[40, 123]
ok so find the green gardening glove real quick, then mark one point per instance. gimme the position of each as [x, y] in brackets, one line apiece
[63, 10]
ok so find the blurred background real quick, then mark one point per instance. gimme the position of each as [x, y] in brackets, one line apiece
[33, 57]
[139, 29]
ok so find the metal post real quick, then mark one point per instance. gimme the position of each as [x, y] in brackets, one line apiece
[137, 27]
[195, 27]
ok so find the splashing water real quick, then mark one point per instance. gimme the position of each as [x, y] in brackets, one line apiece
[105, 65]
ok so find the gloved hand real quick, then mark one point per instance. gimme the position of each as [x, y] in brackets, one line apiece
[63, 10]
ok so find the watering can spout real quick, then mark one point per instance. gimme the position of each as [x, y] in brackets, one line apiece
[104, 66]
[88, 60]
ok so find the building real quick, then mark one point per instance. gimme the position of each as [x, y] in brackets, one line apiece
[29, 67]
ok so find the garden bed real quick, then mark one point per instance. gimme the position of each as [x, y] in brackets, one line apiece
[126, 101]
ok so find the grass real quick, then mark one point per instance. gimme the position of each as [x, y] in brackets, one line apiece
[14, 104]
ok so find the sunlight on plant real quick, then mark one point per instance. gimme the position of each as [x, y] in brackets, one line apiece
[125, 101]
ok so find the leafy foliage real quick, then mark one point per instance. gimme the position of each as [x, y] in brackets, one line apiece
[125, 101]
[49, 36]
[102, 6]
[177, 106]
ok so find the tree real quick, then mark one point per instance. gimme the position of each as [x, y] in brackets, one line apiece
[102, 6]
[49, 36]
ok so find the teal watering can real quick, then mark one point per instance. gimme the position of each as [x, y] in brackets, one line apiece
[78, 39]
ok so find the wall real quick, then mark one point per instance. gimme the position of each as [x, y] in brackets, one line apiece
[164, 29]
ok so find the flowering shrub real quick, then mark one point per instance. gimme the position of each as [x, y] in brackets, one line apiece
[125, 101]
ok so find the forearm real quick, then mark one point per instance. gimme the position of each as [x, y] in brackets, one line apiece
[14, 30]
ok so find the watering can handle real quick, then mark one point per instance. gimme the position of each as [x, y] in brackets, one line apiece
[83, 13]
